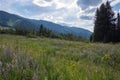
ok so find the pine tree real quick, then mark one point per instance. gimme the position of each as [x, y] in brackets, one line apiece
[99, 31]
[118, 20]
[104, 22]
[118, 28]
[109, 26]
[41, 29]
[97, 35]
[109, 16]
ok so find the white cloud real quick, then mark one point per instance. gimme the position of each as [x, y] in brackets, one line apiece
[42, 3]
[57, 3]
[114, 2]
[58, 11]
[67, 12]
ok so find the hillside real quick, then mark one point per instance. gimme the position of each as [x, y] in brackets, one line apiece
[11, 20]
[24, 58]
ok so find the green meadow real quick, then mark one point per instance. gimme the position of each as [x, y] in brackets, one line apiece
[23, 58]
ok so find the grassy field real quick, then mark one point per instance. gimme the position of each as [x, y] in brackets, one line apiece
[24, 58]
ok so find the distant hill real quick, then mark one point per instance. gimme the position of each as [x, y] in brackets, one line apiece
[12, 20]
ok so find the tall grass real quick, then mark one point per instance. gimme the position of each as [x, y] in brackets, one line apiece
[24, 58]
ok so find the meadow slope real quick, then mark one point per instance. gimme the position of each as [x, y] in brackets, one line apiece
[23, 58]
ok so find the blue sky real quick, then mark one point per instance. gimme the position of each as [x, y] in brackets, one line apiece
[79, 13]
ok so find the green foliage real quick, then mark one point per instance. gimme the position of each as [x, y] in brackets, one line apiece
[54, 59]
[7, 30]
[31, 35]
[20, 31]
[118, 18]
[44, 32]
[105, 29]
[16, 66]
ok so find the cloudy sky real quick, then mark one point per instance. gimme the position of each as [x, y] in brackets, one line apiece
[79, 13]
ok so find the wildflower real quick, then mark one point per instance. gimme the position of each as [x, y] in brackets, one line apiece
[73, 65]
[107, 56]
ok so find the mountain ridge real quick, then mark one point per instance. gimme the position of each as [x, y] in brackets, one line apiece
[13, 20]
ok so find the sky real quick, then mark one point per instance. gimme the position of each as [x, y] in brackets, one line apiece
[78, 13]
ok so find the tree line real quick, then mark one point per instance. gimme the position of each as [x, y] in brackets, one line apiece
[41, 32]
[106, 25]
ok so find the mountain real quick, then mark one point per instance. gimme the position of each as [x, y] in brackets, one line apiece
[13, 21]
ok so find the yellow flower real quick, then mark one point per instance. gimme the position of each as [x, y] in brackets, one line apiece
[73, 65]
[107, 56]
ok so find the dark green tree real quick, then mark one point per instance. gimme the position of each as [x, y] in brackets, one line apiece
[21, 31]
[40, 31]
[44, 32]
[118, 20]
[118, 28]
[104, 22]
[97, 35]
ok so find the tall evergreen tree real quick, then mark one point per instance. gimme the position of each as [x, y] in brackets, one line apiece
[97, 36]
[118, 20]
[118, 28]
[109, 16]
[40, 31]
[103, 23]
[109, 31]
[100, 24]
